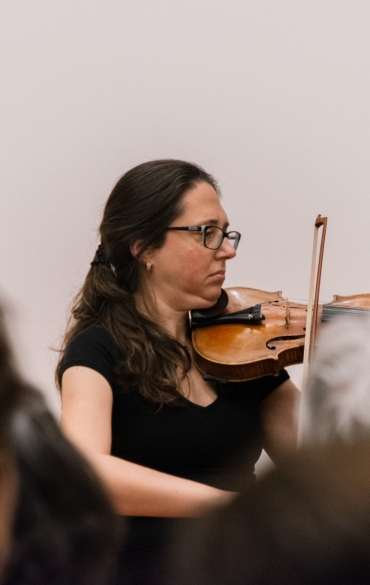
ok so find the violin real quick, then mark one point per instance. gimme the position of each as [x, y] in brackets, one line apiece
[251, 333]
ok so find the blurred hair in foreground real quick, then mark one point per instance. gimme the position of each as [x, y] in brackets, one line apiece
[57, 526]
[338, 392]
[66, 531]
[12, 390]
[306, 523]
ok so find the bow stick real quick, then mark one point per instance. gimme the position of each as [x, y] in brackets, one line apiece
[312, 309]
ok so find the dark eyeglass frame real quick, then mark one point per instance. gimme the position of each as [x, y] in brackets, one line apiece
[235, 236]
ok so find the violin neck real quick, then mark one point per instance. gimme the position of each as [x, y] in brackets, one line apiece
[329, 312]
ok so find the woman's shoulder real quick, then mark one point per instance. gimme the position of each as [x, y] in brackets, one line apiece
[95, 337]
[93, 333]
[95, 348]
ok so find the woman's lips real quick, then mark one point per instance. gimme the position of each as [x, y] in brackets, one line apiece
[219, 275]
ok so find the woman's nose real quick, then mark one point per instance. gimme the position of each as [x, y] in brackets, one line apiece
[227, 249]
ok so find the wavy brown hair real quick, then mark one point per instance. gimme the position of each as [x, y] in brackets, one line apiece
[144, 202]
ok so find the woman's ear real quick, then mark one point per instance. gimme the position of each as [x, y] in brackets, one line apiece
[135, 249]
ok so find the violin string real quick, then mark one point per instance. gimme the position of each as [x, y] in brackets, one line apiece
[337, 311]
[330, 310]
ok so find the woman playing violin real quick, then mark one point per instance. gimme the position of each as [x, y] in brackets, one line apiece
[164, 439]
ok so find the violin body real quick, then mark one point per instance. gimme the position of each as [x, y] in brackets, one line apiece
[237, 352]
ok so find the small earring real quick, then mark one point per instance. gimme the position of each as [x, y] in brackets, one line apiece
[149, 266]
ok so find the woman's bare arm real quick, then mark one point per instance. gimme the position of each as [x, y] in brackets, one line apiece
[279, 416]
[135, 490]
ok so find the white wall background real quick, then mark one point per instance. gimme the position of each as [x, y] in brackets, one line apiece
[271, 96]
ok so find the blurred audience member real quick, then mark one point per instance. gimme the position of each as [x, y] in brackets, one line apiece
[11, 391]
[305, 523]
[52, 506]
[66, 531]
[308, 521]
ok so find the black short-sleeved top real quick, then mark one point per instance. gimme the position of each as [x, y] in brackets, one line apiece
[191, 441]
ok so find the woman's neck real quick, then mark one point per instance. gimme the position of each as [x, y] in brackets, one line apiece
[175, 323]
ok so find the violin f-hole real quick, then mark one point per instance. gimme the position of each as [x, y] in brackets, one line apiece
[282, 338]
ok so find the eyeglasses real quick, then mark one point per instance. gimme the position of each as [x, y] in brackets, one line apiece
[213, 236]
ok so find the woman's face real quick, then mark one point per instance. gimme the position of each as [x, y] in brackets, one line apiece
[186, 275]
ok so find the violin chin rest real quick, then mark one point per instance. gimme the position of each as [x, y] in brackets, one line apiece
[252, 316]
[209, 317]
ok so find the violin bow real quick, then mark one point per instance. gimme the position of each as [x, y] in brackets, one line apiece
[312, 310]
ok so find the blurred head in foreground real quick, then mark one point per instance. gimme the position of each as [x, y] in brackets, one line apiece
[11, 392]
[66, 531]
[57, 526]
[306, 523]
[338, 392]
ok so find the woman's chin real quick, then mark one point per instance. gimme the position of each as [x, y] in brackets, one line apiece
[209, 301]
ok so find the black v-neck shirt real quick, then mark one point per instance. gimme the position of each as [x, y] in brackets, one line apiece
[191, 441]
